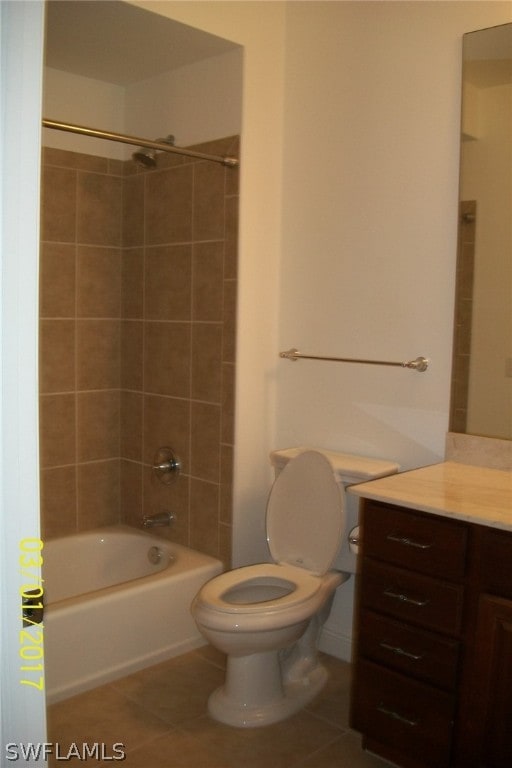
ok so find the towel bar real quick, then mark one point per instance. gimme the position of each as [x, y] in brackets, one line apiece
[420, 364]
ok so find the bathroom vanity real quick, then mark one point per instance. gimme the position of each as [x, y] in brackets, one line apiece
[433, 621]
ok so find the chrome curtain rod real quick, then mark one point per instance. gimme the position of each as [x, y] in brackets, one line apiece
[231, 162]
[420, 364]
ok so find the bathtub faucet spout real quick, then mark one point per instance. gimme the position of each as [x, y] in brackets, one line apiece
[158, 520]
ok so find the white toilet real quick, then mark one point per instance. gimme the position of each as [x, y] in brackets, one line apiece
[267, 617]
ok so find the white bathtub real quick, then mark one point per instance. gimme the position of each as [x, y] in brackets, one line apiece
[111, 611]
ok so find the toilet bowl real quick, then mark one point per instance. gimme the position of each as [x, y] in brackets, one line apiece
[267, 617]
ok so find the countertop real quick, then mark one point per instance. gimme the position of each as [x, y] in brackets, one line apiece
[450, 489]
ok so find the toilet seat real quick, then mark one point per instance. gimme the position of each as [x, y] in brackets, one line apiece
[300, 585]
[305, 523]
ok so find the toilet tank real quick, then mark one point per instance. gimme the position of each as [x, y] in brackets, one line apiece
[348, 469]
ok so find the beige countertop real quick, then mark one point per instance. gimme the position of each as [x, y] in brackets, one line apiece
[461, 491]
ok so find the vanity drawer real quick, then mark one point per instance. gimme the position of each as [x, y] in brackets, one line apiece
[412, 651]
[424, 543]
[418, 599]
[397, 711]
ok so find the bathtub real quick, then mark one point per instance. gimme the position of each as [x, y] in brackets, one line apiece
[116, 600]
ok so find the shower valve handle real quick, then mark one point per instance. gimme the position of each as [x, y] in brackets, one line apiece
[166, 465]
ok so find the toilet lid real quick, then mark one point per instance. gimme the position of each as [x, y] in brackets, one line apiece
[305, 514]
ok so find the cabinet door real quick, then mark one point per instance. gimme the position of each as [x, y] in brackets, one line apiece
[492, 675]
[496, 563]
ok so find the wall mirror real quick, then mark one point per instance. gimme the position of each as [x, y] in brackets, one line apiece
[481, 402]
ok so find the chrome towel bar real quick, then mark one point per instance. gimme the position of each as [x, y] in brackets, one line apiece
[420, 364]
[231, 162]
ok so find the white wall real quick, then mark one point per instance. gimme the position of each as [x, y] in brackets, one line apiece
[198, 102]
[70, 98]
[371, 150]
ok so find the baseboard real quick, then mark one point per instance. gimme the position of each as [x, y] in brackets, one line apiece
[336, 645]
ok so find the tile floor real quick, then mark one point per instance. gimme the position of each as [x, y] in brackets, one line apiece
[160, 716]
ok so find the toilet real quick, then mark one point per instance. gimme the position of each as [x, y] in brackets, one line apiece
[267, 617]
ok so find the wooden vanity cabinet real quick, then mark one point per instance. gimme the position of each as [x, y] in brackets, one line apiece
[410, 612]
[484, 727]
[433, 663]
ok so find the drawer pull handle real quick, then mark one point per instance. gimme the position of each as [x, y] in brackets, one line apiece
[407, 542]
[396, 715]
[405, 598]
[400, 651]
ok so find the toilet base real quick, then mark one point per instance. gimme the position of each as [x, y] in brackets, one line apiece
[269, 700]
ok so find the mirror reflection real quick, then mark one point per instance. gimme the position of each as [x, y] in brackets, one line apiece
[482, 369]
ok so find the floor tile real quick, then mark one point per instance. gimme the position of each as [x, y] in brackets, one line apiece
[333, 703]
[102, 716]
[280, 745]
[176, 690]
[344, 752]
[160, 716]
[174, 750]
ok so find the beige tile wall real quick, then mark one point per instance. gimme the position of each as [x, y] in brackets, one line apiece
[137, 351]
